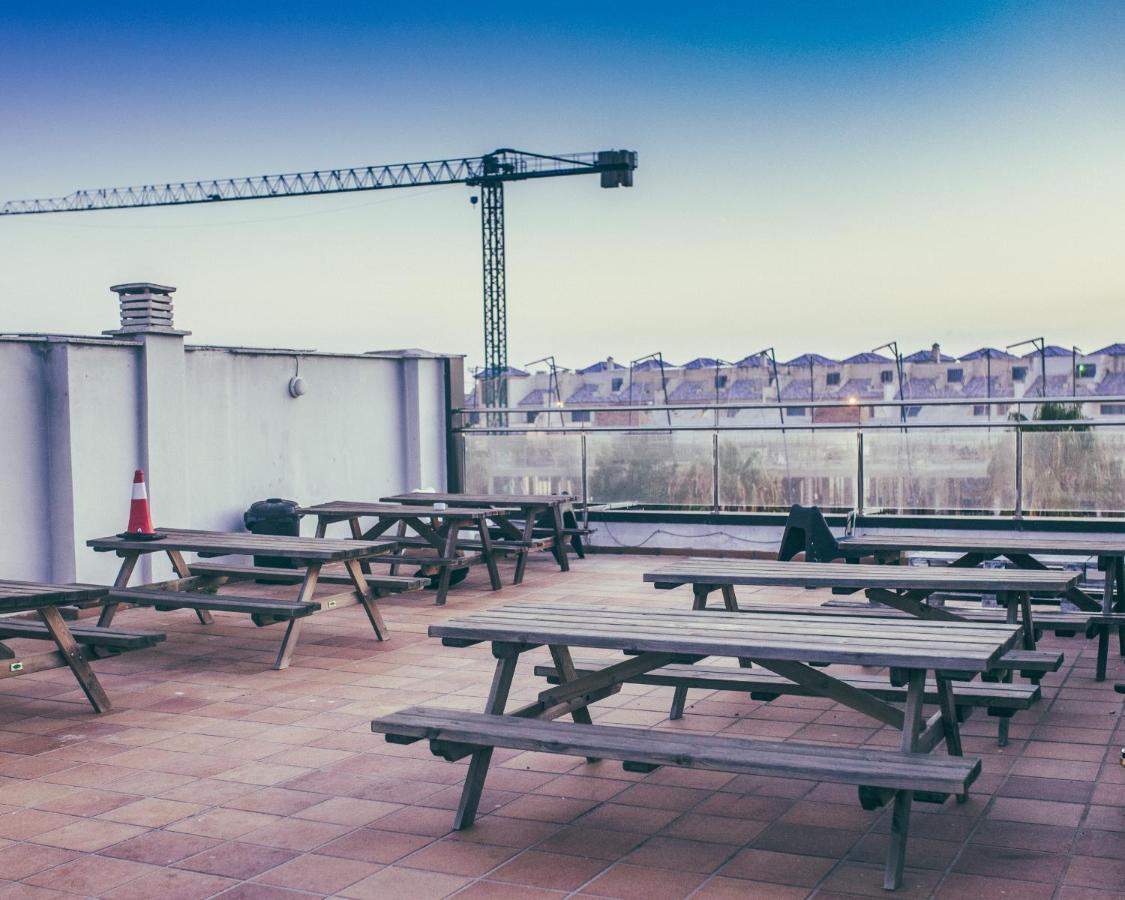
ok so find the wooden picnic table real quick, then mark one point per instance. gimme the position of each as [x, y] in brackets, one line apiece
[905, 588]
[436, 529]
[45, 600]
[556, 509]
[1021, 549]
[788, 646]
[191, 590]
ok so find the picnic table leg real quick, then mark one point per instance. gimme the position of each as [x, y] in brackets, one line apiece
[293, 629]
[900, 816]
[181, 568]
[521, 559]
[1119, 606]
[72, 653]
[564, 665]
[478, 764]
[949, 726]
[570, 520]
[357, 535]
[679, 692]
[1028, 620]
[730, 603]
[449, 551]
[489, 556]
[367, 599]
[398, 551]
[560, 537]
[1011, 617]
[128, 564]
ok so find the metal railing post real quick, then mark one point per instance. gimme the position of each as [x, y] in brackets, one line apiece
[1019, 472]
[585, 486]
[715, 471]
[859, 486]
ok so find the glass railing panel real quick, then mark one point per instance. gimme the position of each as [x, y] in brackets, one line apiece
[515, 463]
[1080, 469]
[940, 470]
[651, 468]
[775, 469]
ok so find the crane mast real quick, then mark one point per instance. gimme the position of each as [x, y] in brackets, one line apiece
[488, 173]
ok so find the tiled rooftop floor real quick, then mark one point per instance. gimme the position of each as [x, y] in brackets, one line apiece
[215, 775]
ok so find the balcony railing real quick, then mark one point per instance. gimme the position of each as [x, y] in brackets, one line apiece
[894, 461]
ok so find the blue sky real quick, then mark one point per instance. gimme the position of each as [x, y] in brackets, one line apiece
[815, 176]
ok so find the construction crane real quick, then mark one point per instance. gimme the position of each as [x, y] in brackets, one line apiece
[487, 173]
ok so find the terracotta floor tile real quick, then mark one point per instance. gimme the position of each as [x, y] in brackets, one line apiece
[24, 824]
[171, 884]
[1096, 872]
[555, 871]
[226, 824]
[20, 860]
[777, 868]
[348, 811]
[373, 845]
[721, 888]
[275, 801]
[88, 835]
[1038, 812]
[976, 887]
[715, 829]
[160, 848]
[295, 834]
[867, 880]
[152, 812]
[393, 883]
[596, 843]
[318, 874]
[91, 875]
[502, 832]
[458, 858]
[236, 860]
[1007, 862]
[642, 883]
[496, 890]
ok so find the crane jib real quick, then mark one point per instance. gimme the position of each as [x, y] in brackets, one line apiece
[488, 173]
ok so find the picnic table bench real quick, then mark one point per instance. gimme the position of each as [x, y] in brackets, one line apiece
[785, 646]
[75, 647]
[541, 521]
[196, 590]
[1021, 550]
[436, 540]
[905, 589]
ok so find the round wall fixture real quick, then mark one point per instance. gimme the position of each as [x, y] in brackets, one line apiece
[297, 387]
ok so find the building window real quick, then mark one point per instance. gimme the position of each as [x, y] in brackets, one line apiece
[1019, 373]
[980, 410]
[474, 418]
[531, 417]
[1113, 409]
[580, 416]
[616, 383]
[1086, 370]
[955, 376]
[886, 376]
[720, 381]
[794, 411]
[832, 378]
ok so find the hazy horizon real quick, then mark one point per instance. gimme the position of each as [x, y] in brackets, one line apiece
[813, 177]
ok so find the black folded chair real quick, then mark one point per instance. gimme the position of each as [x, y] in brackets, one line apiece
[807, 532]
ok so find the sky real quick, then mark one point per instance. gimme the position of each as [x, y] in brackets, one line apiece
[822, 176]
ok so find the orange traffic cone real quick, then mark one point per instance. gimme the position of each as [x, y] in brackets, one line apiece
[140, 519]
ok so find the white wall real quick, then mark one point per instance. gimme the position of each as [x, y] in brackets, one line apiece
[216, 429]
